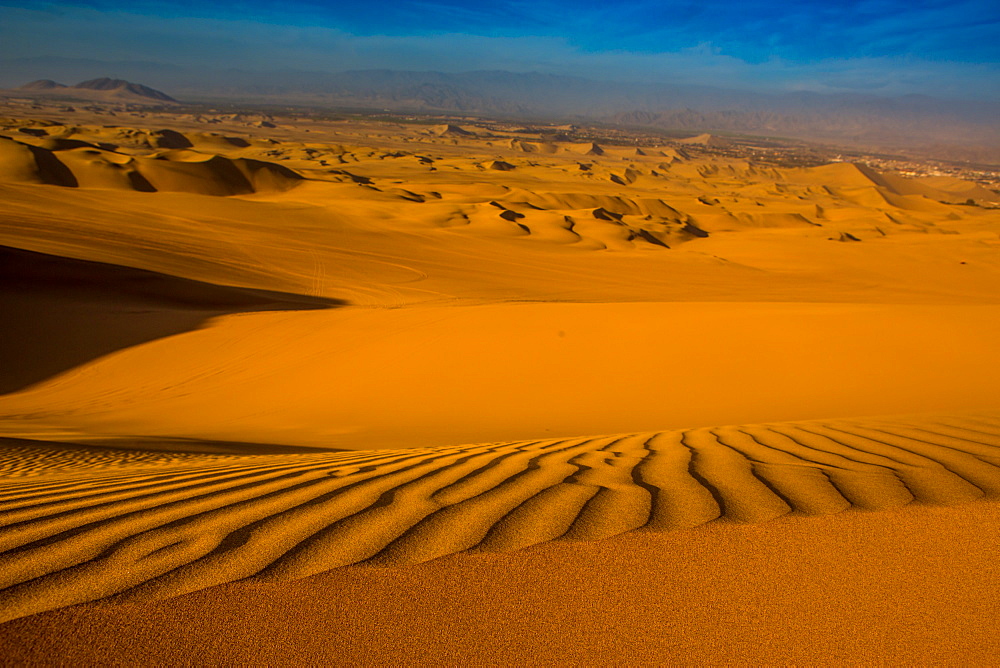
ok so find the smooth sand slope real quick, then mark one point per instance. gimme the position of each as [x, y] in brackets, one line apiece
[237, 356]
[361, 378]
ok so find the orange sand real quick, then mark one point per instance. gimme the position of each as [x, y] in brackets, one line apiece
[916, 587]
[236, 355]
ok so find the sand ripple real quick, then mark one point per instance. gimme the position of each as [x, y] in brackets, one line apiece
[87, 524]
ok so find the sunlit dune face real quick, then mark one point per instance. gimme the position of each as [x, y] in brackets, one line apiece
[258, 347]
[461, 333]
[548, 286]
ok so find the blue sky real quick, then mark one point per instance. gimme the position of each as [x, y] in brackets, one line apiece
[947, 47]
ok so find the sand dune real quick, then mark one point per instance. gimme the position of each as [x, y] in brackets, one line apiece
[551, 148]
[449, 130]
[369, 377]
[23, 163]
[138, 528]
[184, 410]
[172, 170]
[705, 140]
[61, 312]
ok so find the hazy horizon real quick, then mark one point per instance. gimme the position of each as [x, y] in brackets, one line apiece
[885, 48]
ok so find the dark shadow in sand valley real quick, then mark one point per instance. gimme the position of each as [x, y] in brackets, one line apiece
[57, 313]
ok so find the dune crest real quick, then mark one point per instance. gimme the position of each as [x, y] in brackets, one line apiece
[539, 330]
[170, 170]
[63, 312]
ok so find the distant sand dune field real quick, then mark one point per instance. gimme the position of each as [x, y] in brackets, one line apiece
[236, 359]
[104, 523]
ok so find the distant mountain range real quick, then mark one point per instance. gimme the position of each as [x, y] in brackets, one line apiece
[106, 88]
[908, 121]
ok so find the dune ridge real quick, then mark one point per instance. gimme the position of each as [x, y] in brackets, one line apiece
[170, 170]
[149, 527]
[293, 345]
[61, 312]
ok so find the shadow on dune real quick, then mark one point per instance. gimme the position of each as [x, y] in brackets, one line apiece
[153, 447]
[58, 313]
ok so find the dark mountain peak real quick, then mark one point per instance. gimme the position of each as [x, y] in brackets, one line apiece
[103, 83]
[42, 84]
[122, 86]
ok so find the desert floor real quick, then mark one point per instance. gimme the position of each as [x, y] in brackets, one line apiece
[342, 392]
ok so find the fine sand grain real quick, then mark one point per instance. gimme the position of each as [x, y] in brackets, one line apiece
[915, 586]
[316, 393]
[93, 524]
